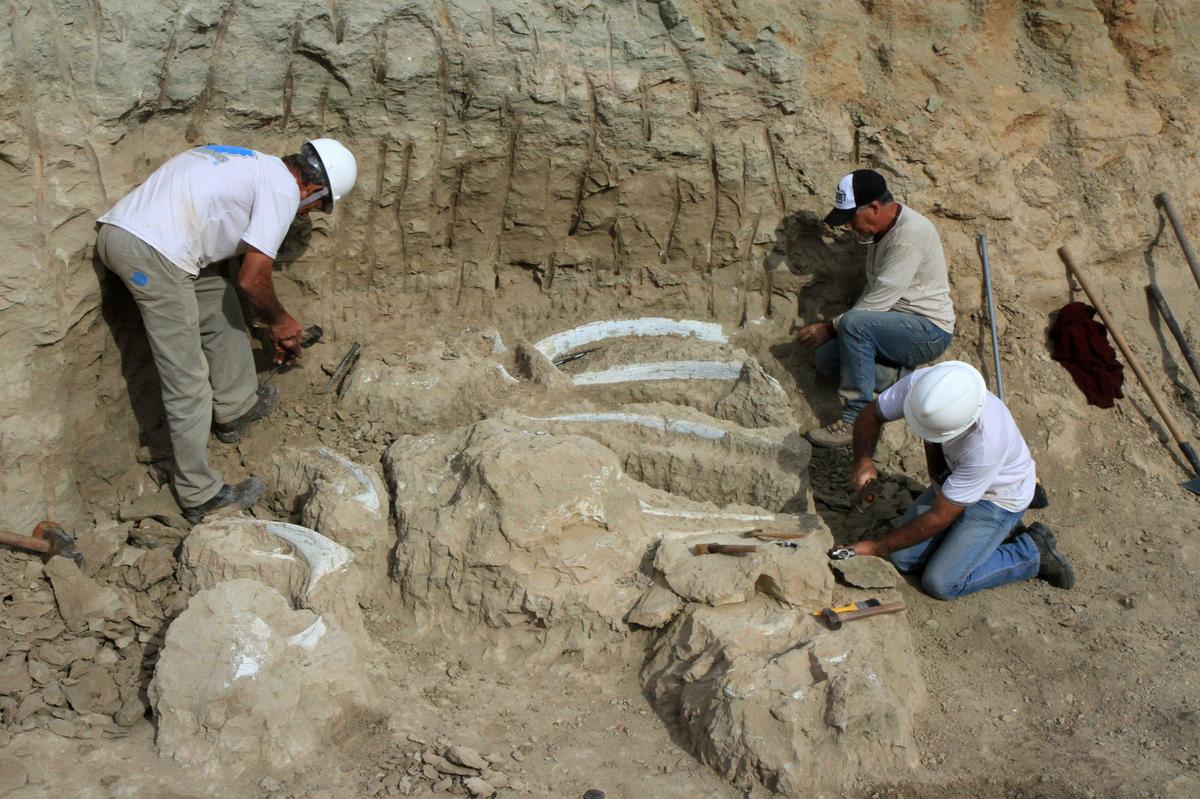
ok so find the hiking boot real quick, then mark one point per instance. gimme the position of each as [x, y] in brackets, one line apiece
[1054, 568]
[231, 432]
[834, 434]
[240, 496]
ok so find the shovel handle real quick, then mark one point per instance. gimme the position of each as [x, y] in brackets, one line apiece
[26, 542]
[1164, 310]
[1164, 202]
[1130, 358]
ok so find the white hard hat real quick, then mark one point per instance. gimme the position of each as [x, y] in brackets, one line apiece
[945, 401]
[339, 166]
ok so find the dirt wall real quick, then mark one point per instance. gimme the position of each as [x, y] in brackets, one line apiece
[527, 161]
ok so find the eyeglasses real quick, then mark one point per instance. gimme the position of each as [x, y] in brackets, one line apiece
[315, 197]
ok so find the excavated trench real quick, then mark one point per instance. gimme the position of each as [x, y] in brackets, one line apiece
[541, 515]
[538, 504]
[580, 235]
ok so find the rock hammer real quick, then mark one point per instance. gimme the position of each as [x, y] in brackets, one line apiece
[311, 336]
[48, 539]
[834, 617]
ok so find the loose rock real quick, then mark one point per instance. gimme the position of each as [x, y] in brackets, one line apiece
[866, 572]
[83, 603]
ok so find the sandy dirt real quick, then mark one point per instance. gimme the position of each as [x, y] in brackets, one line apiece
[1032, 691]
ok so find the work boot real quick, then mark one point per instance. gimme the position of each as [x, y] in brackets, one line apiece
[231, 432]
[834, 434]
[1054, 568]
[240, 496]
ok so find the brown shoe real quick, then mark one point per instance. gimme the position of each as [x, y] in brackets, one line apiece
[834, 434]
[240, 496]
[231, 432]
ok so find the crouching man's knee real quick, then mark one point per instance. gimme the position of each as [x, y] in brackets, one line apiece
[941, 586]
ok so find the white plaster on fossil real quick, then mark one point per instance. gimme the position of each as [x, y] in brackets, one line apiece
[661, 370]
[560, 343]
[323, 556]
[650, 510]
[368, 497]
[682, 426]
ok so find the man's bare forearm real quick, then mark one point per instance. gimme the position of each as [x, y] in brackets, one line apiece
[923, 526]
[940, 515]
[254, 280]
[866, 432]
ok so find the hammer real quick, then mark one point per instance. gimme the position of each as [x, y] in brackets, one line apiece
[311, 336]
[835, 617]
[49, 538]
[865, 497]
[724, 549]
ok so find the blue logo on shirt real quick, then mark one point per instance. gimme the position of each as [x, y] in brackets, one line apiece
[139, 278]
[220, 153]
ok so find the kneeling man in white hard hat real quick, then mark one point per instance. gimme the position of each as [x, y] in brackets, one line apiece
[165, 240]
[957, 534]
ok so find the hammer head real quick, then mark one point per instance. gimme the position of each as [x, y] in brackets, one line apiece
[61, 542]
[831, 618]
[866, 496]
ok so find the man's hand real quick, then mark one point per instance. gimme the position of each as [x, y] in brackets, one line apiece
[939, 517]
[816, 334]
[866, 548]
[864, 472]
[286, 335]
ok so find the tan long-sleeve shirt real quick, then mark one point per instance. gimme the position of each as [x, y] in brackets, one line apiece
[906, 272]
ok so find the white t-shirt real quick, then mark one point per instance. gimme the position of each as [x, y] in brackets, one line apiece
[989, 461]
[200, 206]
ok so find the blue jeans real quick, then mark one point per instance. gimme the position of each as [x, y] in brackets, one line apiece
[868, 348]
[970, 554]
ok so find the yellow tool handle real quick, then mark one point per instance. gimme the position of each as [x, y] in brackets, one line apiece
[842, 609]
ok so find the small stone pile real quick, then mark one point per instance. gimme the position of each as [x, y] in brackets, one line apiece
[446, 767]
[77, 648]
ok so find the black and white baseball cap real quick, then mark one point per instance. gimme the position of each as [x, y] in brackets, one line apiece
[861, 187]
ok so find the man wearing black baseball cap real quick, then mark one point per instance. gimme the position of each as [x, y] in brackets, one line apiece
[904, 317]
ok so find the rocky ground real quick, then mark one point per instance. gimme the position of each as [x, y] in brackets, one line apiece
[1028, 690]
[530, 167]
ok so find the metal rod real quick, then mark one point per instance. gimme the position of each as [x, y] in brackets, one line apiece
[987, 284]
[1165, 202]
[1173, 326]
[343, 368]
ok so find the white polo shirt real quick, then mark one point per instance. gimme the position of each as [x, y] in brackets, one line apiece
[989, 461]
[200, 206]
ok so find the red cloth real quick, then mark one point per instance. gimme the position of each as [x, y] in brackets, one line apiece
[1081, 345]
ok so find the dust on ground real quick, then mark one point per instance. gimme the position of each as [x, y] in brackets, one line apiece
[1031, 691]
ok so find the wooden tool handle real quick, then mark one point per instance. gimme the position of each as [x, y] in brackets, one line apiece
[770, 536]
[1130, 358]
[25, 542]
[878, 610]
[724, 549]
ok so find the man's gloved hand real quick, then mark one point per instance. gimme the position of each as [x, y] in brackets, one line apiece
[286, 335]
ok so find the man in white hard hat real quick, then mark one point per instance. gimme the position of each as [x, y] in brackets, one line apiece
[957, 533]
[904, 317]
[164, 241]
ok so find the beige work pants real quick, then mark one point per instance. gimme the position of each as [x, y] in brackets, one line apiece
[201, 349]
